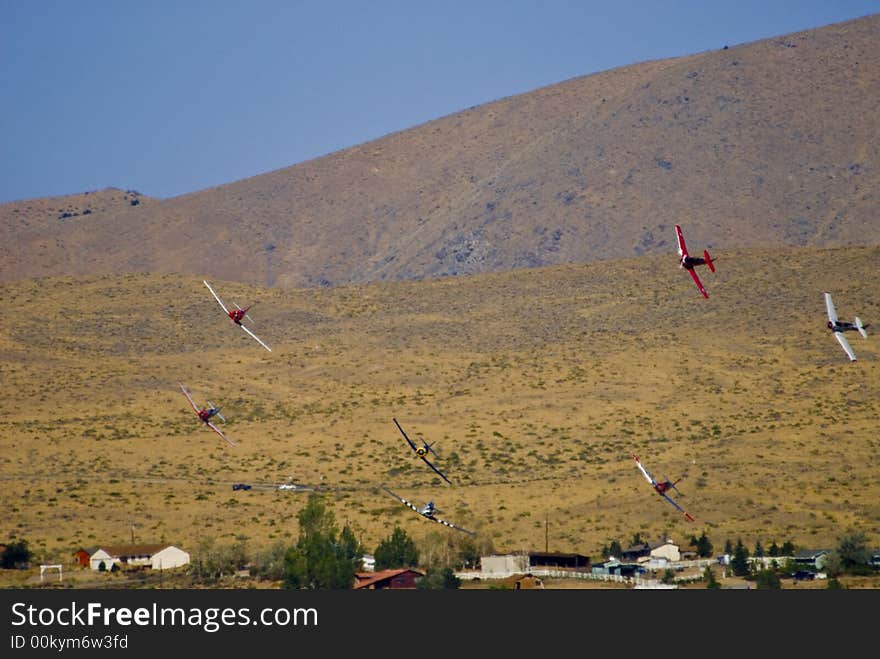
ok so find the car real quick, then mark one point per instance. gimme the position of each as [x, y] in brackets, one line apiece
[803, 575]
[240, 486]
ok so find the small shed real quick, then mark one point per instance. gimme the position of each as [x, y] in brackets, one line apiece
[523, 582]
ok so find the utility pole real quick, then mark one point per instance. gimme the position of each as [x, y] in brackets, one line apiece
[132, 532]
[547, 534]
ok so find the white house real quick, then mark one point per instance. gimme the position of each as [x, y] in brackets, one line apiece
[665, 551]
[157, 557]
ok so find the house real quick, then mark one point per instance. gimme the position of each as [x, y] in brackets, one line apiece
[82, 556]
[660, 551]
[810, 558]
[157, 557]
[368, 562]
[396, 579]
[614, 567]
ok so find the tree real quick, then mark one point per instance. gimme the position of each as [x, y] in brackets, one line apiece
[787, 549]
[320, 560]
[397, 550]
[613, 549]
[832, 565]
[759, 549]
[740, 561]
[702, 545]
[16, 556]
[774, 549]
[269, 563]
[437, 578]
[711, 581]
[768, 580]
[728, 547]
[853, 551]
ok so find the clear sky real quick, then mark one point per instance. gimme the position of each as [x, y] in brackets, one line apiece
[171, 96]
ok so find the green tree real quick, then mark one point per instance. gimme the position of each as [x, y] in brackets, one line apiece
[269, 563]
[17, 555]
[728, 547]
[437, 578]
[740, 561]
[702, 545]
[320, 559]
[709, 576]
[774, 549]
[397, 550]
[759, 549]
[787, 549]
[833, 566]
[853, 551]
[834, 584]
[767, 580]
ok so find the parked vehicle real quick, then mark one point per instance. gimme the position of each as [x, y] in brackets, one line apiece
[240, 486]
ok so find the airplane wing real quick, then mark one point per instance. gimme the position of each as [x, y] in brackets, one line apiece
[216, 297]
[439, 473]
[189, 398]
[256, 337]
[220, 432]
[643, 470]
[402, 500]
[698, 282]
[682, 248]
[846, 346]
[679, 508]
[405, 436]
[829, 305]
[449, 524]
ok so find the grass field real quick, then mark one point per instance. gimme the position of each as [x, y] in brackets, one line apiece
[537, 385]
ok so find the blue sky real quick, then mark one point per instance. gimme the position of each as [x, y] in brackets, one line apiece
[172, 96]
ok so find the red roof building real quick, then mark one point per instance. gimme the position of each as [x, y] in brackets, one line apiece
[396, 579]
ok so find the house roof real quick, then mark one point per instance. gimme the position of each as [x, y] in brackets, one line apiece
[810, 553]
[367, 579]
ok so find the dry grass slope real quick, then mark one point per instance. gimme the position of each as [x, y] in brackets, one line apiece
[537, 385]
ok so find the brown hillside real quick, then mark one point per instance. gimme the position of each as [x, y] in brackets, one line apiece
[536, 384]
[768, 143]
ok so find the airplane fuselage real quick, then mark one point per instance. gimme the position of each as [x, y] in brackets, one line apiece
[842, 327]
[688, 262]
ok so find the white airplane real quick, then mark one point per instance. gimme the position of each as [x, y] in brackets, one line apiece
[839, 327]
[427, 511]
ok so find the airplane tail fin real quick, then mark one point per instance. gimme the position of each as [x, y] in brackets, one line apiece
[708, 260]
[861, 327]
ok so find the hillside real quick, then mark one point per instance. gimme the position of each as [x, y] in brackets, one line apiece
[537, 385]
[764, 144]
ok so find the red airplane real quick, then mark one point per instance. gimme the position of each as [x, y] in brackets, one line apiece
[206, 413]
[689, 262]
[662, 488]
[236, 315]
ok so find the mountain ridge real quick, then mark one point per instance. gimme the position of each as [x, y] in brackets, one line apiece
[767, 143]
